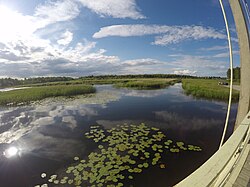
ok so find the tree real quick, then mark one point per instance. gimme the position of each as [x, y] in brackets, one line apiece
[236, 73]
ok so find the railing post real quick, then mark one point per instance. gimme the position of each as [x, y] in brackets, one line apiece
[244, 44]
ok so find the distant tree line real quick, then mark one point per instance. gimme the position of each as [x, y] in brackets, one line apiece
[136, 76]
[145, 76]
[7, 82]
[45, 79]
[236, 74]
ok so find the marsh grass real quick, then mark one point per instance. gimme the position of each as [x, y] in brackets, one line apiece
[121, 82]
[207, 88]
[24, 96]
[147, 83]
[80, 81]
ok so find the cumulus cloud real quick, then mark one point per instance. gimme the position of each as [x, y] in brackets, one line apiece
[19, 41]
[169, 34]
[18, 26]
[15, 25]
[199, 65]
[41, 45]
[29, 59]
[184, 72]
[114, 8]
[57, 11]
[25, 52]
[66, 38]
[98, 63]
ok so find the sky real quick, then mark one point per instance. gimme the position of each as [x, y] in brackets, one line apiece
[98, 37]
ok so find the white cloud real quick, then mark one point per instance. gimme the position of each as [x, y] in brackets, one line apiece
[225, 55]
[19, 28]
[66, 38]
[185, 72]
[114, 8]
[83, 59]
[215, 48]
[181, 33]
[24, 53]
[201, 65]
[142, 62]
[131, 30]
[80, 59]
[27, 54]
[56, 11]
[14, 25]
[169, 34]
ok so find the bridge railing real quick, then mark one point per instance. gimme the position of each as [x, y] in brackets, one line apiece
[216, 170]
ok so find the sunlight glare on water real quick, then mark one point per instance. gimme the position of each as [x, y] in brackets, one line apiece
[11, 152]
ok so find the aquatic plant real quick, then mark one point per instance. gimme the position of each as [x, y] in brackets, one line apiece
[121, 153]
[206, 88]
[24, 96]
[147, 83]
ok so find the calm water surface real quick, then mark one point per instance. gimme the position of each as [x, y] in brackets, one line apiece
[50, 134]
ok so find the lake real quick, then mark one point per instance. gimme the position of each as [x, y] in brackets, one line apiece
[10, 89]
[66, 137]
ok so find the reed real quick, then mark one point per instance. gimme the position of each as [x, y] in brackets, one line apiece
[208, 88]
[27, 95]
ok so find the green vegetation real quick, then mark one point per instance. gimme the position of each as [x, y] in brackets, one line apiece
[236, 74]
[84, 81]
[23, 96]
[138, 76]
[100, 79]
[207, 89]
[143, 83]
[147, 83]
[121, 154]
[8, 82]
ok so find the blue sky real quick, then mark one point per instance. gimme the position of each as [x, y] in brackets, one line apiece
[86, 37]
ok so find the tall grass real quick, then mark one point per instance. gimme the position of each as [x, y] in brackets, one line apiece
[15, 97]
[80, 81]
[208, 89]
[147, 83]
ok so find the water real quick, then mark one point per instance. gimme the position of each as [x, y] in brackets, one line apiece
[49, 134]
[10, 89]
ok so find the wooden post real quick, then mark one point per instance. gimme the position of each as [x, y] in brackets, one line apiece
[244, 44]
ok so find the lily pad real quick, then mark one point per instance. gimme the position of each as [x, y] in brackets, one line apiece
[43, 175]
[125, 149]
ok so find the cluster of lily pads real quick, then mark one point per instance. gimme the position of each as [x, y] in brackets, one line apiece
[122, 153]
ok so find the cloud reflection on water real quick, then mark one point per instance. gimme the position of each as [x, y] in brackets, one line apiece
[20, 121]
[48, 128]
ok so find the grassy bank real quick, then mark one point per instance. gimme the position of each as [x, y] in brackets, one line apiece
[126, 82]
[15, 97]
[80, 81]
[207, 88]
[147, 83]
